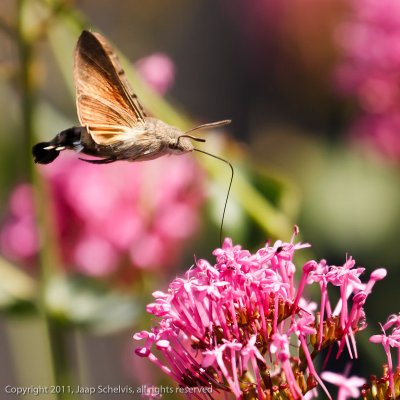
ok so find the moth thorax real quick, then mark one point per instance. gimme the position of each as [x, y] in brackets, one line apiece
[173, 138]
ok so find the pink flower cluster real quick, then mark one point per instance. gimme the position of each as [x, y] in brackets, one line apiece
[242, 326]
[108, 218]
[370, 71]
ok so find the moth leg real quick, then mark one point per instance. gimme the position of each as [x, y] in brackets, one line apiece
[101, 161]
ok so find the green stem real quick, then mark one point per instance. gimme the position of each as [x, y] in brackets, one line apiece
[54, 335]
[27, 91]
[62, 373]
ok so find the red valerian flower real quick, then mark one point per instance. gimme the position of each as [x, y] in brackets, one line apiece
[227, 326]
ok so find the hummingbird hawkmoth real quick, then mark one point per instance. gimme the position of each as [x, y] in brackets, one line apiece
[114, 125]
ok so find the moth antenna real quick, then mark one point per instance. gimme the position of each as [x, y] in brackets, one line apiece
[229, 188]
[204, 126]
[211, 125]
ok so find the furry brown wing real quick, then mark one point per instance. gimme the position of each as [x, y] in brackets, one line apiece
[103, 94]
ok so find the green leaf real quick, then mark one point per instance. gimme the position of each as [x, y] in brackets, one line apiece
[15, 285]
[87, 303]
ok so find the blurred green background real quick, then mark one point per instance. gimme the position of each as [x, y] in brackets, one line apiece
[271, 69]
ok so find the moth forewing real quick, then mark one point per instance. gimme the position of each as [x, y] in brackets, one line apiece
[131, 95]
[103, 94]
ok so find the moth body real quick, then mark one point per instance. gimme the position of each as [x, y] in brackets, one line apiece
[152, 140]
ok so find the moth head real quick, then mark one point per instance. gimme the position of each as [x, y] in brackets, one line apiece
[181, 145]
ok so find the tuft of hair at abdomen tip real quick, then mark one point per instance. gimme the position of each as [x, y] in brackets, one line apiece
[43, 155]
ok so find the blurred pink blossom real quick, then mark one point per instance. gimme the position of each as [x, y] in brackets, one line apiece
[18, 237]
[158, 71]
[348, 387]
[370, 71]
[108, 217]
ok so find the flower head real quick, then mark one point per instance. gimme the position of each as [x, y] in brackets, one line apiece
[228, 326]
